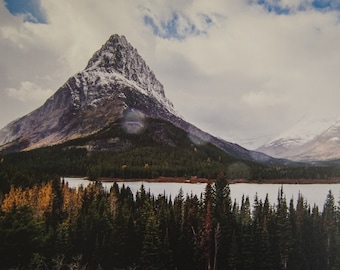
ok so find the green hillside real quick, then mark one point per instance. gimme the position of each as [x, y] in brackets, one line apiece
[160, 149]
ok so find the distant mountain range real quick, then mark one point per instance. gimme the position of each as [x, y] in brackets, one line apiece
[308, 141]
[115, 88]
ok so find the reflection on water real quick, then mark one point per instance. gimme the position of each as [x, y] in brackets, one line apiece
[312, 193]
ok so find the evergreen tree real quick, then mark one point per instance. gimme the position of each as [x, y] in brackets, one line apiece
[21, 236]
[63, 240]
[167, 254]
[284, 230]
[222, 221]
[152, 246]
[207, 233]
[262, 247]
[246, 241]
[234, 255]
[329, 225]
[317, 247]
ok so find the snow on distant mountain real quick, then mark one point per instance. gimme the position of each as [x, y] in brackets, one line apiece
[309, 140]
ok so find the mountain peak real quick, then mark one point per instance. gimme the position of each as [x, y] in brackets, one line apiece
[109, 55]
[117, 55]
[115, 79]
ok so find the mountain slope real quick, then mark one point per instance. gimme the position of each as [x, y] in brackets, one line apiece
[159, 149]
[116, 84]
[308, 141]
[92, 99]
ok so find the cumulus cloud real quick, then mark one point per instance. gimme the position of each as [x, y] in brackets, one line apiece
[237, 69]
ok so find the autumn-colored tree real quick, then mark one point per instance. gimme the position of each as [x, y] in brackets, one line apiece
[72, 202]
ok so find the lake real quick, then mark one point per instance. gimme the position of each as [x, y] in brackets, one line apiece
[312, 193]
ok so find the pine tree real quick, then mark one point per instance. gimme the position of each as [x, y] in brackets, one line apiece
[337, 251]
[222, 221]
[152, 246]
[262, 251]
[317, 247]
[167, 253]
[207, 233]
[234, 254]
[329, 225]
[21, 236]
[284, 233]
[63, 240]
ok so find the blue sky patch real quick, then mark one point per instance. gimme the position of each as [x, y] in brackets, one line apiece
[30, 8]
[274, 7]
[277, 7]
[326, 4]
[178, 26]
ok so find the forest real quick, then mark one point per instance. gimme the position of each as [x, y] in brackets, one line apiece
[49, 225]
[160, 150]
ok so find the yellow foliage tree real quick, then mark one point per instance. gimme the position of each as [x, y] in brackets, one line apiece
[72, 201]
[39, 198]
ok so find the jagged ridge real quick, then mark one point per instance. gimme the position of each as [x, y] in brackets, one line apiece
[118, 56]
[92, 98]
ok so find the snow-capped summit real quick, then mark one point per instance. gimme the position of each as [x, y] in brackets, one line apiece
[119, 57]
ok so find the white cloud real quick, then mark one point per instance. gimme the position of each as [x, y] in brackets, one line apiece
[28, 92]
[261, 99]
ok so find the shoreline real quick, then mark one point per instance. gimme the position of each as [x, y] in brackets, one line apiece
[195, 180]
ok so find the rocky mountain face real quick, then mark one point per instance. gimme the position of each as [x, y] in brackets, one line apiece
[116, 84]
[115, 78]
[317, 141]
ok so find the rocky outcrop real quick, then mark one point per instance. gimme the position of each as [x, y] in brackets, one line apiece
[115, 79]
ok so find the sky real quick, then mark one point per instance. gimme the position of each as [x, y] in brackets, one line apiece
[245, 71]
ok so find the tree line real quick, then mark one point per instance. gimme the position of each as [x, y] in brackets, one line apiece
[160, 150]
[146, 162]
[53, 226]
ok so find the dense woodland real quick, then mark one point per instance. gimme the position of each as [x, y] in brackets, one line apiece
[51, 226]
[46, 225]
[135, 156]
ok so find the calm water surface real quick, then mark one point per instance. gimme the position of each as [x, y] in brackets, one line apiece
[312, 193]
